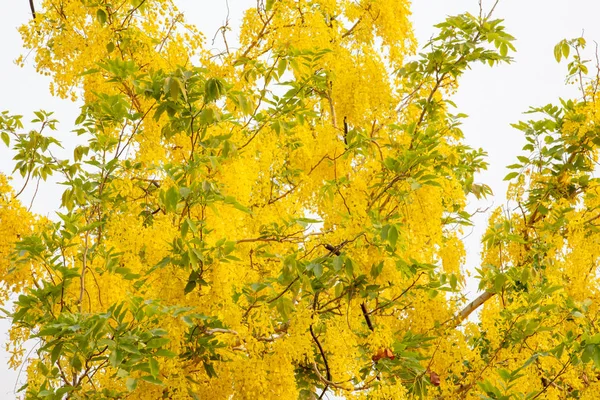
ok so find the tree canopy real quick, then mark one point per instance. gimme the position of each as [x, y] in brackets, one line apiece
[283, 220]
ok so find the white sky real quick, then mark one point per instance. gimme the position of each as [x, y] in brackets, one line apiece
[492, 97]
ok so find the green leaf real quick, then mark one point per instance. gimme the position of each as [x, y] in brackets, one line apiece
[511, 175]
[154, 369]
[192, 225]
[151, 379]
[101, 16]
[157, 343]
[503, 49]
[565, 49]
[318, 270]
[349, 268]
[171, 199]
[558, 52]
[64, 390]
[213, 90]
[281, 67]
[5, 138]
[376, 269]
[191, 285]
[76, 363]
[131, 384]
[392, 235]
[210, 370]
[499, 281]
[338, 262]
[175, 89]
[55, 354]
[165, 353]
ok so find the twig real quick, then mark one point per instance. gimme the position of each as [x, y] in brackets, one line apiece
[327, 370]
[37, 186]
[363, 307]
[83, 270]
[399, 296]
[32, 7]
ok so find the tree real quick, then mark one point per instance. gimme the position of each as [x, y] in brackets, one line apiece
[282, 220]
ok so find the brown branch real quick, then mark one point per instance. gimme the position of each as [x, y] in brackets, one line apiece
[32, 7]
[399, 296]
[83, 271]
[352, 28]
[312, 333]
[258, 37]
[327, 370]
[363, 307]
[551, 383]
[284, 290]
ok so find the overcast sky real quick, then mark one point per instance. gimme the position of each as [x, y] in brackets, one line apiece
[492, 97]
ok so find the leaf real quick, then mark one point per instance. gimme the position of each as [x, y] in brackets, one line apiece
[171, 199]
[101, 16]
[151, 379]
[499, 281]
[175, 89]
[503, 49]
[434, 378]
[157, 343]
[5, 138]
[64, 390]
[383, 353]
[565, 49]
[349, 268]
[55, 354]
[210, 370]
[392, 236]
[191, 285]
[213, 90]
[511, 175]
[338, 262]
[76, 363]
[376, 269]
[558, 52]
[281, 67]
[318, 270]
[154, 369]
[131, 384]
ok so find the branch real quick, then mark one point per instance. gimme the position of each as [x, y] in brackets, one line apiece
[399, 296]
[31, 6]
[472, 306]
[220, 330]
[83, 271]
[363, 307]
[312, 333]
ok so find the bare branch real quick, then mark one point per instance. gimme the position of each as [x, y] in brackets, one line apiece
[472, 306]
[32, 7]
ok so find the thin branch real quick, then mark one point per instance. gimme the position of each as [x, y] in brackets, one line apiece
[32, 7]
[399, 296]
[83, 270]
[349, 31]
[561, 372]
[312, 333]
[37, 186]
[363, 307]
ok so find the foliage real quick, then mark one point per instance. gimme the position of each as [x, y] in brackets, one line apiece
[284, 219]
